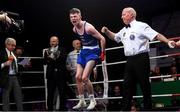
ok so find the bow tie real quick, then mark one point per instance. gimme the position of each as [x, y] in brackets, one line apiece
[77, 51]
[128, 25]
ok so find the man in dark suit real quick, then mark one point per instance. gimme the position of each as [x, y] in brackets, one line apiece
[55, 58]
[8, 75]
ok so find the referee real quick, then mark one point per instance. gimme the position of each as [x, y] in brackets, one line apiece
[135, 37]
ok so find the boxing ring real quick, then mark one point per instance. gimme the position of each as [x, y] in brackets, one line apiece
[105, 82]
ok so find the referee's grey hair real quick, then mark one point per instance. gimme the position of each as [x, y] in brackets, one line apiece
[10, 41]
[131, 10]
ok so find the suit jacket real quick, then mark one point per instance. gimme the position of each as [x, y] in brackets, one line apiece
[58, 64]
[4, 72]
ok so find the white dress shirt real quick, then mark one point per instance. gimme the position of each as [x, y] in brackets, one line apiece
[72, 60]
[11, 70]
[135, 38]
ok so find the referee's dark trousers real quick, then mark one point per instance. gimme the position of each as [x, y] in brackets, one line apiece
[137, 71]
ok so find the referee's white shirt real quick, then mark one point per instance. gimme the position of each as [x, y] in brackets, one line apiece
[135, 38]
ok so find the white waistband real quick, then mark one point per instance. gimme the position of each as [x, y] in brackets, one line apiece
[90, 47]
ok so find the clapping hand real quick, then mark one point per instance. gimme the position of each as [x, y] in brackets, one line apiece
[172, 44]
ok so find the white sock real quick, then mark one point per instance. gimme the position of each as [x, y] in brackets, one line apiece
[91, 96]
[81, 97]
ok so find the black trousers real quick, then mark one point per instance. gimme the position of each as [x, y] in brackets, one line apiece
[137, 70]
[54, 83]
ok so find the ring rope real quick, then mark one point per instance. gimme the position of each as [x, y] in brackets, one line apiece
[152, 42]
[107, 49]
[175, 54]
[33, 87]
[119, 47]
[121, 80]
[114, 63]
[155, 57]
[140, 96]
[28, 102]
[99, 82]
[32, 57]
[107, 81]
[33, 72]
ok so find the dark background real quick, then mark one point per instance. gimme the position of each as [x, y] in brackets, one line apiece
[44, 18]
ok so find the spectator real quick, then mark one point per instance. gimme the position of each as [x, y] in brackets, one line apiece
[23, 63]
[175, 101]
[55, 58]
[156, 72]
[102, 103]
[134, 106]
[8, 75]
[5, 18]
[71, 61]
[115, 104]
[173, 72]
